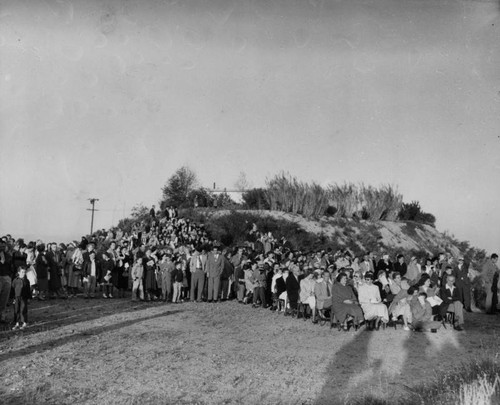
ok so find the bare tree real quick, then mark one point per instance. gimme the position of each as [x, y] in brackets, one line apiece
[242, 183]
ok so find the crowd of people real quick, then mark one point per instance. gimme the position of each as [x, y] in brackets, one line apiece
[171, 259]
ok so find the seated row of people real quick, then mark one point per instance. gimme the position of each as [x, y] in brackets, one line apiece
[354, 300]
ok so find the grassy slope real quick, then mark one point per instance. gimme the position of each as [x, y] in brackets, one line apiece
[361, 236]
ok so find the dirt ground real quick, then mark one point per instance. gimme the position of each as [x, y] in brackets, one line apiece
[118, 352]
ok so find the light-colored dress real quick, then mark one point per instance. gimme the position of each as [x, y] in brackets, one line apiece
[371, 303]
[323, 298]
[307, 292]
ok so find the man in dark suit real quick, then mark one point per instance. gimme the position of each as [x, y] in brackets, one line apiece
[91, 272]
[215, 267]
[400, 265]
[450, 295]
[461, 273]
[293, 288]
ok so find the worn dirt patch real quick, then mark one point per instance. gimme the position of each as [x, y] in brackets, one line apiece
[114, 352]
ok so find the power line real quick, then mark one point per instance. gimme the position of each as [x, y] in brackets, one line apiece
[92, 201]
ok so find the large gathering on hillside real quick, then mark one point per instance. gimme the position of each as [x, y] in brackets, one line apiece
[170, 259]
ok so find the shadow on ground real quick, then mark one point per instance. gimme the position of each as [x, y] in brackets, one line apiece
[50, 345]
[48, 315]
[375, 378]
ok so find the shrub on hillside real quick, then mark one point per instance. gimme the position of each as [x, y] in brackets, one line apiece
[139, 213]
[233, 229]
[413, 212]
[199, 197]
[255, 199]
[224, 200]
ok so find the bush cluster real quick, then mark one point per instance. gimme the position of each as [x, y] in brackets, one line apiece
[288, 194]
[413, 212]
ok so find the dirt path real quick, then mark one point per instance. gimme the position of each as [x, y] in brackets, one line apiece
[113, 352]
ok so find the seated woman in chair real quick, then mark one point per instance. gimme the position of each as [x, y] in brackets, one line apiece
[344, 303]
[322, 292]
[307, 293]
[374, 309]
[400, 305]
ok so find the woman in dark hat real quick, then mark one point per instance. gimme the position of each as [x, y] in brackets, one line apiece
[345, 305]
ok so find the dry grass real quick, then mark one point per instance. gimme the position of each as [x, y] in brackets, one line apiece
[480, 392]
[118, 353]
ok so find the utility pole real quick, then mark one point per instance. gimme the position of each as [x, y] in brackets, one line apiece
[92, 201]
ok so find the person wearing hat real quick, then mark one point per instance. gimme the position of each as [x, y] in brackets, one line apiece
[345, 305]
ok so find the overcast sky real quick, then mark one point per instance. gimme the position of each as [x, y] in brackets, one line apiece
[107, 99]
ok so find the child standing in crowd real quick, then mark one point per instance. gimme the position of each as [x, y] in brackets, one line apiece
[137, 273]
[177, 277]
[22, 292]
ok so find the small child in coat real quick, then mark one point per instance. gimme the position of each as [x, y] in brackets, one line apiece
[22, 291]
[177, 278]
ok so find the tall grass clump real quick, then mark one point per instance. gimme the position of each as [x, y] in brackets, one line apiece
[382, 203]
[286, 193]
[471, 384]
[345, 198]
[477, 383]
[479, 392]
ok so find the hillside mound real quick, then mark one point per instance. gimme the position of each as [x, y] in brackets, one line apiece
[358, 235]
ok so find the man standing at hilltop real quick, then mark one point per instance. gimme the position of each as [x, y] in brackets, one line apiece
[214, 267]
[488, 273]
